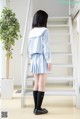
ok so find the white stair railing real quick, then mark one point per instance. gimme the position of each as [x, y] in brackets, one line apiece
[72, 48]
[75, 63]
[25, 27]
[24, 71]
[77, 86]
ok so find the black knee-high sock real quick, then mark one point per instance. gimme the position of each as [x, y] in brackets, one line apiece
[35, 98]
[40, 97]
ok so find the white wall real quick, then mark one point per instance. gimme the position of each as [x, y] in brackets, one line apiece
[52, 7]
[19, 7]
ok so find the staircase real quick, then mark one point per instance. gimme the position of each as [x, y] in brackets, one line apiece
[61, 50]
[63, 67]
[62, 58]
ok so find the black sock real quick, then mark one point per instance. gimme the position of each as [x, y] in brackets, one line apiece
[40, 97]
[35, 98]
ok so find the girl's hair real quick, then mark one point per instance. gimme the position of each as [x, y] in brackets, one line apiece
[40, 19]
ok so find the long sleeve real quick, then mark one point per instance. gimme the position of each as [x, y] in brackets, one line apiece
[46, 47]
[29, 45]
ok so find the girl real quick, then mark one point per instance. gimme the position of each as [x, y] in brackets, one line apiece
[40, 58]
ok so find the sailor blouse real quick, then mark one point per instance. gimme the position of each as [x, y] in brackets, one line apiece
[39, 50]
[39, 42]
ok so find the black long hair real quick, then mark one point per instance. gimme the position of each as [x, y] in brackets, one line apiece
[40, 19]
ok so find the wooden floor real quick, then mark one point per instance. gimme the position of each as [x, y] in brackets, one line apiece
[59, 107]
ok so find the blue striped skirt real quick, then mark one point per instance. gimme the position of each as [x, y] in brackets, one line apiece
[38, 64]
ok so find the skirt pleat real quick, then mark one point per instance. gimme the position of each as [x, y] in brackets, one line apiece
[38, 64]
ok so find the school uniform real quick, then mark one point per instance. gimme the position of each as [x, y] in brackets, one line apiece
[39, 50]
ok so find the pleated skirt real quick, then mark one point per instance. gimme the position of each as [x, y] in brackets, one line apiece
[38, 64]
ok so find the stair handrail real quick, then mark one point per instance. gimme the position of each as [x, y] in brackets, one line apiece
[73, 51]
[77, 66]
[22, 54]
[25, 27]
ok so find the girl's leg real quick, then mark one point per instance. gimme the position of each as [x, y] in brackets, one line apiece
[42, 81]
[40, 95]
[36, 80]
[35, 90]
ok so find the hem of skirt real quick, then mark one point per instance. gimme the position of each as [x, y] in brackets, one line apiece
[40, 72]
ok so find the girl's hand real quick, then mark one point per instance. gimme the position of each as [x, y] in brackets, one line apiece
[49, 66]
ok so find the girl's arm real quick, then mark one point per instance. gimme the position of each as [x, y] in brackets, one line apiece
[29, 48]
[46, 47]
